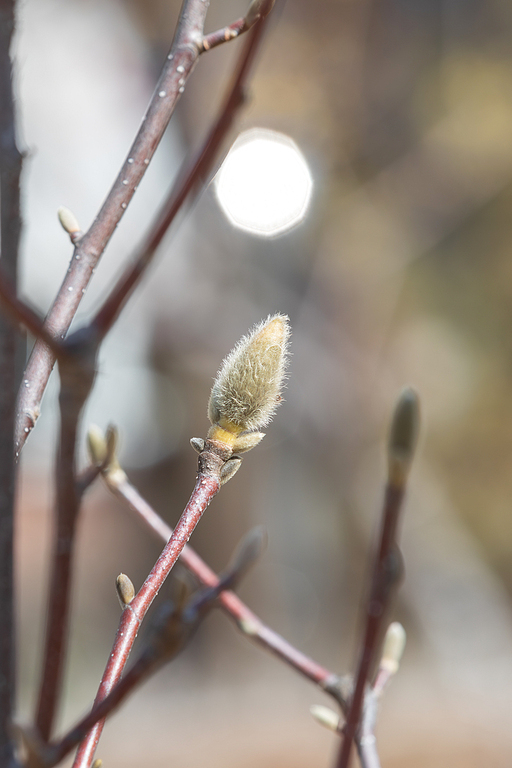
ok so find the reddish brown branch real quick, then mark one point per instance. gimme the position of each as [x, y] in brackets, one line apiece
[10, 229]
[21, 314]
[385, 575]
[207, 485]
[77, 373]
[248, 622]
[192, 177]
[180, 62]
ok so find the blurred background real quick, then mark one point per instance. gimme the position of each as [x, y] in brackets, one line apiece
[394, 268]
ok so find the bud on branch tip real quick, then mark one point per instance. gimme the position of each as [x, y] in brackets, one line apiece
[403, 436]
[247, 389]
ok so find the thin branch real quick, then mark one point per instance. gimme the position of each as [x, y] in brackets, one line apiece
[77, 372]
[192, 177]
[250, 624]
[257, 11]
[387, 568]
[207, 486]
[174, 624]
[10, 228]
[21, 314]
[179, 64]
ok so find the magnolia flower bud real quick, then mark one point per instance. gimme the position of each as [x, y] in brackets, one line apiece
[247, 389]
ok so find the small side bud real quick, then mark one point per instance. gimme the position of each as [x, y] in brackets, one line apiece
[229, 469]
[96, 445]
[247, 389]
[97, 763]
[197, 444]
[394, 645]
[248, 627]
[125, 590]
[403, 436]
[69, 223]
[326, 717]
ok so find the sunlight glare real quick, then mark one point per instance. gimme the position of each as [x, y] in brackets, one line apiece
[264, 185]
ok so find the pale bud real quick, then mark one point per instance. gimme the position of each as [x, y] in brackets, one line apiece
[68, 221]
[326, 717]
[394, 645]
[96, 444]
[247, 389]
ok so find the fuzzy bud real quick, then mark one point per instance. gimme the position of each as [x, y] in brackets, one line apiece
[247, 389]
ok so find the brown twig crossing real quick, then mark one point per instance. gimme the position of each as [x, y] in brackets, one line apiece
[250, 624]
[193, 176]
[207, 485]
[185, 51]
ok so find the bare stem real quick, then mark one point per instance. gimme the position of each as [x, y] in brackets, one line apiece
[207, 485]
[192, 177]
[179, 64]
[77, 372]
[10, 228]
[386, 572]
[247, 621]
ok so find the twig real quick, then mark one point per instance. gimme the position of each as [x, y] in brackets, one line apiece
[192, 177]
[207, 485]
[250, 624]
[21, 314]
[387, 563]
[10, 228]
[185, 50]
[77, 373]
[175, 623]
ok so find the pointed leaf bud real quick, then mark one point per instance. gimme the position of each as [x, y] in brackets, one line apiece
[394, 645]
[325, 716]
[96, 445]
[197, 444]
[229, 469]
[247, 389]
[125, 590]
[69, 223]
[403, 436]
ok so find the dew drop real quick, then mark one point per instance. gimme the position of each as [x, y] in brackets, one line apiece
[125, 182]
[70, 288]
[170, 56]
[27, 429]
[77, 257]
[130, 160]
[161, 94]
[146, 161]
[123, 205]
[181, 68]
[181, 89]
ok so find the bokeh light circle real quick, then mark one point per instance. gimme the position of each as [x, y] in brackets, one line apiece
[264, 185]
